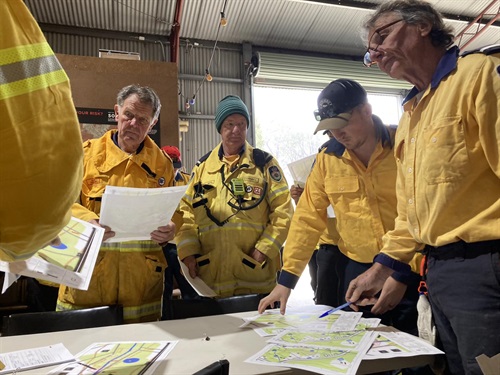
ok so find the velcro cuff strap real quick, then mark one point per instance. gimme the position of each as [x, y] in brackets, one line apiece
[393, 264]
[288, 279]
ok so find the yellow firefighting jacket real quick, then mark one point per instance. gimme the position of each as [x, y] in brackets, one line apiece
[222, 235]
[129, 273]
[40, 144]
[364, 200]
[447, 147]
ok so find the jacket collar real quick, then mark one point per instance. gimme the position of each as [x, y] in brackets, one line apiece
[114, 137]
[214, 161]
[447, 64]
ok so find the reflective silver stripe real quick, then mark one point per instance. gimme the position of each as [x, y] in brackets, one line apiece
[28, 68]
[131, 246]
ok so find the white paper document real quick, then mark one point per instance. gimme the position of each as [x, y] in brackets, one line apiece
[300, 169]
[141, 357]
[333, 345]
[34, 358]
[198, 284]
[399, 344]
[133, 213]
[71, 263]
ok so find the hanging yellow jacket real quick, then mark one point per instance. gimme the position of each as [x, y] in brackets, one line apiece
[40, 145]
[225, 241]
[364, 200]
[128, 273]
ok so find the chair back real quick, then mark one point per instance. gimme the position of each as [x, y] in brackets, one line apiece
[193, 308]
[217, 368]
[50, 321]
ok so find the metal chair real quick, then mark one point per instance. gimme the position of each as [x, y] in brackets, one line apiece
[50, 321]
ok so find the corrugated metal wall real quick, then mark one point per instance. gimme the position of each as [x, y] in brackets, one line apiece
[226, 68]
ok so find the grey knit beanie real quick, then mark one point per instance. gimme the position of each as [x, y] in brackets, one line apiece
[228, 106]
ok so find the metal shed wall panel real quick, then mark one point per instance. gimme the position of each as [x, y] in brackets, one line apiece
[316, 72]
[194, 59]
[201, 138]
[89, 46]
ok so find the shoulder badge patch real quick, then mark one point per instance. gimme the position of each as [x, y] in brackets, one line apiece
[275, 173]
[161, 181]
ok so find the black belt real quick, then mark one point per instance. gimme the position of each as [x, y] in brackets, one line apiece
[462, 249]
[326, 246]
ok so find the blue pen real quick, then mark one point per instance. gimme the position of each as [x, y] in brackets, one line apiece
[326, 313]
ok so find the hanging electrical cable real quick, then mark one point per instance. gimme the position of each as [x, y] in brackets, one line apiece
[208, 77]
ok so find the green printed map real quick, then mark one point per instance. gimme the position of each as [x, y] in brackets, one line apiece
[335, 361]
[130, 358]
[75, 243]
[334, 340]
[272, 324]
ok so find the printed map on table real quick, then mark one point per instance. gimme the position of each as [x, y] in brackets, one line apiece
[324, 360]
[272, 322]
[399, 344]
[347, 340]
[123, 358]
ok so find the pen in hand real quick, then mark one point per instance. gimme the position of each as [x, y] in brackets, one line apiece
[326, 313]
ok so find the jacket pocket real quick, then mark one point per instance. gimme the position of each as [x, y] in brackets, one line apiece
[444, 153]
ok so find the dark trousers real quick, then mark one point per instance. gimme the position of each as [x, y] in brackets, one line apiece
[463, 281]
[313, 272]
[342, 270]
[327, 289]
[172, 271]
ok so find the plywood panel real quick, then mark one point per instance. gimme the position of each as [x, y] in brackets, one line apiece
[95, 83]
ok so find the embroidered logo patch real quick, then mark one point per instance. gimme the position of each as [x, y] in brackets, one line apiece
[161, 181]
[498, 70]
[275, 173]
[257, 190]
[248, 189]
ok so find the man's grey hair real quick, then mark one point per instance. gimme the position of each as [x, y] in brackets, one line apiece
[415, 12]
[146, 95]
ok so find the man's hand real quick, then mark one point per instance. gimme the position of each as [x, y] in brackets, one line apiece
[163, 234]
[108, 233]
[295, 192]
[279, 293]
[363, 288]
[392, 293]
[192, 265]
[258, 256]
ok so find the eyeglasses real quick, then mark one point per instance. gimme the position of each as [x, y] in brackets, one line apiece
[376, 39]
[329, 112]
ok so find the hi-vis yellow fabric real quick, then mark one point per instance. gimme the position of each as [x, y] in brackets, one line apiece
[40, 141]
[447, 148]
[364, 200]
[224, 262]
[127, 273]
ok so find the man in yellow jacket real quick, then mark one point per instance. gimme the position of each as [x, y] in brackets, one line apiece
[355, 173]
[127, 273]
[448, 184]
[40, 146]
[236, 211]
